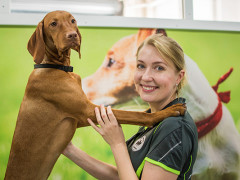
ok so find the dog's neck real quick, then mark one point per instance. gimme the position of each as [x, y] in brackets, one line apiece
[53, 56]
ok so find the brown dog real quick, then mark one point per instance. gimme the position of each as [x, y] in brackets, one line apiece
[54, 104]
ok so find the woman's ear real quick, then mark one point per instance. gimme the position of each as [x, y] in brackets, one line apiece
[36, 44]
[180, 76]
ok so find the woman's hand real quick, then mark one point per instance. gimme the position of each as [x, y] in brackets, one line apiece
[112, 133]
[109, 128]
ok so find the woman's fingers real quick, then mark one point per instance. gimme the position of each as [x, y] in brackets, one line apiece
[111, 116]
[94, 126]
[104, 117]
[104, 114]
[98, 116]
[109, 128]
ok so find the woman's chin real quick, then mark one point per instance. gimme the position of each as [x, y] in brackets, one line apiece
[148, 99]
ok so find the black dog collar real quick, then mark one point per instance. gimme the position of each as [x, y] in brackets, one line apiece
[64, 68]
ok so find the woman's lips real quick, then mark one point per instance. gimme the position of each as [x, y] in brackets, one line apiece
[148, 88]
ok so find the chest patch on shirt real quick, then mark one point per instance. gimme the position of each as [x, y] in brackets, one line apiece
[138, 144]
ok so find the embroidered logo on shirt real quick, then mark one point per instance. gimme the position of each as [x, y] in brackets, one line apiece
[138, 144]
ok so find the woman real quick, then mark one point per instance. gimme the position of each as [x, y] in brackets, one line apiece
[167, 150]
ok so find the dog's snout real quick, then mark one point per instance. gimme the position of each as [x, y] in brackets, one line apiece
[72, 35]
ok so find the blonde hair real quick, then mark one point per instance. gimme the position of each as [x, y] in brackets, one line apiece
[170, 50]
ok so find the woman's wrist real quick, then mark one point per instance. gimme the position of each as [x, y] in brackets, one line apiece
[123, 162]
[69, 150]
[116, 146]
[96, 168]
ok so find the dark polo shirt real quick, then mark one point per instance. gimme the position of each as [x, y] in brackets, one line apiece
[171, 144]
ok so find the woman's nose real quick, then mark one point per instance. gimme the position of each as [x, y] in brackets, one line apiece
[147, 75]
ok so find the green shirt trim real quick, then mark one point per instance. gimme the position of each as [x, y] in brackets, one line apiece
[157, 127]
[163, 166]
[188, 168]
[140, 168]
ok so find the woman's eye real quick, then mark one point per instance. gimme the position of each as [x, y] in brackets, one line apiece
[110, 62]
[140, 66]
[53, 24]
[73, 21]
[159, 68]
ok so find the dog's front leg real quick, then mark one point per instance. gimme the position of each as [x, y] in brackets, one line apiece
[148, 119]
[86, 110]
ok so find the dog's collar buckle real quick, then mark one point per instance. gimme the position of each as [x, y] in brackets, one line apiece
[63, 68]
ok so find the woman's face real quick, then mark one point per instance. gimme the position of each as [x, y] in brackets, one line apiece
[155, 78]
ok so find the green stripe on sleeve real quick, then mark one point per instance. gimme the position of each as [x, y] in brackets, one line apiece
[188, 167]
[140, 168]
[162, 166]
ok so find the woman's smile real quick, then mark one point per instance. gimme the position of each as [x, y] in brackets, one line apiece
[148, 89]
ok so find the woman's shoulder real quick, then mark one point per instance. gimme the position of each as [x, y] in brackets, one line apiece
[170, 124]
[180, 123]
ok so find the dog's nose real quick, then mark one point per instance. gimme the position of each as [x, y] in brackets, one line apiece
[71, 35]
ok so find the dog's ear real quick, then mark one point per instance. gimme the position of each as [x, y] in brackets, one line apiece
[36, 44]
[161, 31]
[144, 33]
[77, 48]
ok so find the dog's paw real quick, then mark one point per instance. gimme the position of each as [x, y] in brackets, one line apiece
[177, 109]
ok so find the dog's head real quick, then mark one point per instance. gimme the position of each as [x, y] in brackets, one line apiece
[54, 36]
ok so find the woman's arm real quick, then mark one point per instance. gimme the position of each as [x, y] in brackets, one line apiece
[112, 133]
[154, 172]
[96, 168]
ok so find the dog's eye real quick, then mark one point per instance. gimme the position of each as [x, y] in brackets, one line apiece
[53, 24]
[73, 20]
[110, 62]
